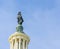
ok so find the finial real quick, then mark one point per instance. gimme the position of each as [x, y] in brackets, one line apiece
[19, 27]
[20, 19]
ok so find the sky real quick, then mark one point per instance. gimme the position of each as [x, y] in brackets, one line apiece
[41, 22]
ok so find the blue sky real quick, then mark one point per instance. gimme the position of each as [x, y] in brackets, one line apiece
[41, 22]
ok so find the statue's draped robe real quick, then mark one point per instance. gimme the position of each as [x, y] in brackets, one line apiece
[20, 20]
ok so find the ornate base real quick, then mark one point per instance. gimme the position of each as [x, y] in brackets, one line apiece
[19, 28]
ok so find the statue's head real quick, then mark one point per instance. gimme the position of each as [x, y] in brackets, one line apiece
[19, 13]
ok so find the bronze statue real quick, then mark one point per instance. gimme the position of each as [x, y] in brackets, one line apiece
[19, 27]
[20, 19]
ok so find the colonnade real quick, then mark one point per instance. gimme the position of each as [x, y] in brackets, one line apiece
[18, 43]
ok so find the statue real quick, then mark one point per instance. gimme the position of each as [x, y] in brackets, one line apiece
[20, 19]
[19, 27]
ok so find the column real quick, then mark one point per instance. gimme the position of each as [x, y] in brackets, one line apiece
[16, 44]
[23, 44]
[26, 45]
[12, 45]
[19, 43]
